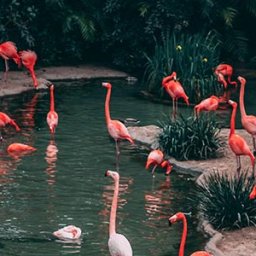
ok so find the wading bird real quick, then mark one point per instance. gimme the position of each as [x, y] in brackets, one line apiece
[209, 104]
[19, 149]
[156, 158]
[69, 232]
[116, 129]
[175, 90]
[4, 120]
[237, 143]
[181, 217]
[227, 71]
[118, 244]
[248, 121]
[28, 59]
[8, 51]
[52, 116]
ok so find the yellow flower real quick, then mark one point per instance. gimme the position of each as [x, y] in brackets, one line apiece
[204, 60]
[178, 47]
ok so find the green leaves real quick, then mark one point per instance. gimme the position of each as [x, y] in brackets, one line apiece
[224, 200]
[191, 138]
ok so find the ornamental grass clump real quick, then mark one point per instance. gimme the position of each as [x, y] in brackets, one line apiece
[191, 138]
[224, 200]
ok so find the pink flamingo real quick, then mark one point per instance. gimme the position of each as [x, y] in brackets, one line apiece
[52, 116]
[29, 59]
[19, 149]
[69, 232]
[8, 50]
[181, 217]
[237, 143]
[4, 120]
[253, 193]
[248, 122]
[156, 157]
[175, 90]
[118, 244]
[209, 104]
[116, 129]
[225, 70]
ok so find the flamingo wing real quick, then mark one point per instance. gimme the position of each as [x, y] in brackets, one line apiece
[119, 245]
[238, 145]
[249, 124]
[118, 130]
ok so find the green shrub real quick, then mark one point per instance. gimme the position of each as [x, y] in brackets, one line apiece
[191, 138]
[193, 57]
[224, 200]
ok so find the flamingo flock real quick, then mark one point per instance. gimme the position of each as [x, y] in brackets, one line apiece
[118, 244]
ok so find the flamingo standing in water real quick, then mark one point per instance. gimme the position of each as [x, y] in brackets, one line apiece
[209, 104]
[116, 129]
[118, 244]
[181, 217]
[248, 122]
[175, 90]
[237, 143]
[8, 50]
[52, 116]
[69, 232]
[4, 120]
[28, 59]
[156, 157]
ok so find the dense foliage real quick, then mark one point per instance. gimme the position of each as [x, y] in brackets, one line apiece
[224, 201]
[119, 32]
[191, 138]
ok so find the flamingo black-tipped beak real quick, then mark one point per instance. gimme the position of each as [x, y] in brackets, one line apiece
[170, 224]
[106, 173]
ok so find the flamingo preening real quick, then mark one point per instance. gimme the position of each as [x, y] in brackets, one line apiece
[28, 59]
[181, 217]
[116, 129]
[4, 120]
[69, 232]
[248, 121]
[118, 244]
[52, 116]
[226, 71]
[209, 104]
[8, 50]
[237, 143]
[156, 158]
[175, 90]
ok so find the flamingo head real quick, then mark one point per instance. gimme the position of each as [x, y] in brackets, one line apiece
[168, 167]
[241, 79]
[173, 75]
[176, 217]
[50, 86]
[112, 174]
[232, 103]
[107, 85]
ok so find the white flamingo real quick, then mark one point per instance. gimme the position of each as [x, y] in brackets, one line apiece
[68, 233]
[118, 244]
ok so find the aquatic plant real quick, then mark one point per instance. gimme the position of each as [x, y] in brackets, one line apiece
[192, 57]
[223, 199]
[191, 138]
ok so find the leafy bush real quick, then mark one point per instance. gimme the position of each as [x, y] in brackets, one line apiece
[191, 138]
[192, 57]
[224, 200]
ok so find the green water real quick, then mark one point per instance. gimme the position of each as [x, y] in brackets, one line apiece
[63, 181]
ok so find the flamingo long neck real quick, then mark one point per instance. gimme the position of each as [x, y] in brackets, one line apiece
[232, 121]
[184, 236]
[107, 102]
[241, 100]
[112, 222]
[51, 99]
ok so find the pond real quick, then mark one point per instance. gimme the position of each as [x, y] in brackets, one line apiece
[63, 181]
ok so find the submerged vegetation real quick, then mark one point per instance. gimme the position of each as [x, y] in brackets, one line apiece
[191, 138]
[224, 200]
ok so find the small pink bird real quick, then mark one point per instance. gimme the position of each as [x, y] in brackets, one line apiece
[237, 143]
[253, 193]
[117, 243]
[52, 116]
[209, 104]
[4, 120]
[68, 233]
[227, 71]
[175, 90]
[19, 149]
[29, 59]
[116, 129]
[8, 51]
[180, 216]
[156, 158]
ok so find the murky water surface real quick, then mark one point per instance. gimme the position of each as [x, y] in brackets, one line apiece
[63, 181]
